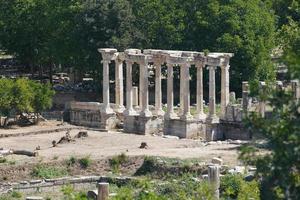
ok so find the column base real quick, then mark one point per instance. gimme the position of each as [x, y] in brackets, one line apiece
[120, 109]
[186, 117]
[146, 113]
[159, 112]
[130, 112]
[171, 115]
[181, 128]
[201, 117]
[106, 110]
[142, 125]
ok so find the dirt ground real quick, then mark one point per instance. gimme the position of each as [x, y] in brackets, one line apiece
[100, 145]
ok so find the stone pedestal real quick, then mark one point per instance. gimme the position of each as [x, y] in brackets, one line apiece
[181, 128]
[142, 124]
[108, 121]
[213, 131]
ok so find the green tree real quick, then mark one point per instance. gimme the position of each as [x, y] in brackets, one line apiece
[24, 96]
[279, 169]
[245, 28]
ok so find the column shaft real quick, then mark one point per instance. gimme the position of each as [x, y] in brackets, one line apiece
[119, 88]
[141, 82]
[224, 89]
[181, 90]
[129, 108]
[212, 92]
[106, 106]
[144, 90]
[170, 98]
[185, 91]
[200, 113]
[158, 94]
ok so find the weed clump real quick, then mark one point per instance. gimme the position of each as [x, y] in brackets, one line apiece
[85, 162]
[116, 161]
[42, 171]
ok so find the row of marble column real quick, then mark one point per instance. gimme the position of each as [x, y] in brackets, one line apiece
[184, 88]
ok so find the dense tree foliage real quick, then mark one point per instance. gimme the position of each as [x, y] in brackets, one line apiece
[68, 32]
[280, 169]
[24, 96]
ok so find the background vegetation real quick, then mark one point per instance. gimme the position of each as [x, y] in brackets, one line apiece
[44, 33]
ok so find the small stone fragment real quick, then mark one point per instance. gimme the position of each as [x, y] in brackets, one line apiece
[217, 161]
[143, 145]
[54, 144]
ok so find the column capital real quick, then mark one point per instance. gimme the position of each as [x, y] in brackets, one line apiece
[129, 62]
[106, 61]
[185, 65]
[225, 66]
[201, 65]
[211, 67]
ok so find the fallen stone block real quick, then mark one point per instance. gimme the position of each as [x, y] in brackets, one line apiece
[217, 161]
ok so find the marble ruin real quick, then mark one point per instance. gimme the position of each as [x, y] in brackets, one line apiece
[138, 117]
[143, 120]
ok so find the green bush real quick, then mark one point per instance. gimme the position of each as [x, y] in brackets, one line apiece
[85, 162]
[3, 160]
[71, 161]
[70, 194]
[42, 171]
[16, 194]
[235, 187]
[116, 161]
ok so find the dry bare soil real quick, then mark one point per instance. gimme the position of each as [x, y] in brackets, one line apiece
[100, 146]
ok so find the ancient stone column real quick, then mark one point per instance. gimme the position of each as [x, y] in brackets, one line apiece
[245, 96]
[129, 109]
[103, 191]
[141, 82]
[224, 88]
[181, 93]
[158, 96]
[212, 93]
[185, 84]
[262, 103]
[144, 90]
[214, 179]
[106, 107]
[200, 112]
[119, 88]
[170, 96]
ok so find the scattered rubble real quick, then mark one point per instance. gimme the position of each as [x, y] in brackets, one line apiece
[144, 145]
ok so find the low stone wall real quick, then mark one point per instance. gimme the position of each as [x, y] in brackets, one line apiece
[234, 131]
[84, 113]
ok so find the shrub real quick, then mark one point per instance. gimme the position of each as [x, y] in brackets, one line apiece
[16, 194]
[116, 161]
[235, 187]
[42, 171]
[3, 160]
[70, 194]
[85, 162]
[71, 161]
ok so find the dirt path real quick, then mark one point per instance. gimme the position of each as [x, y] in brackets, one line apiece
[100, 145]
